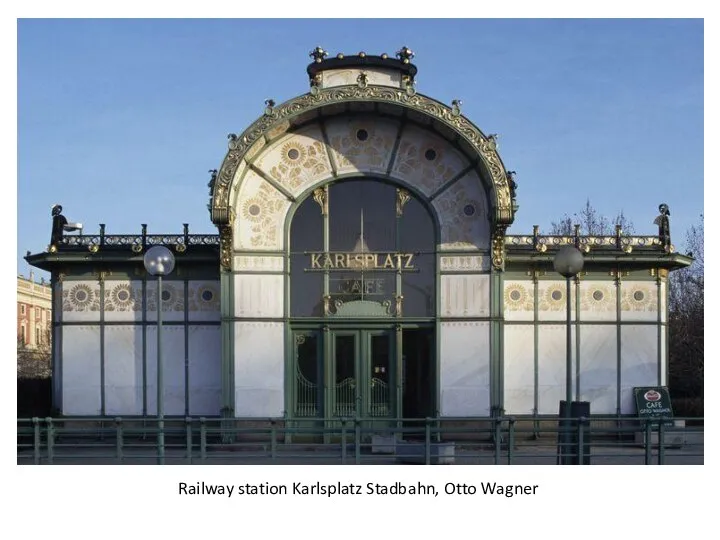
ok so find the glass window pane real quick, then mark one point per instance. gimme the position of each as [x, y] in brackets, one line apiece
[379, 375]
[308, 377]
[306, 235]
[345, 381]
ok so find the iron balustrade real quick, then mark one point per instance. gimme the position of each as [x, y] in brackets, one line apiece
[462, 440]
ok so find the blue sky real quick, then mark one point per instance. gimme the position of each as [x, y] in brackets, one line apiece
[120, 120]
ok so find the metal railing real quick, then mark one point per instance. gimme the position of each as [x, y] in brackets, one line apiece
[484, 441]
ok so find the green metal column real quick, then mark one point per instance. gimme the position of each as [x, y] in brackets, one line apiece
[102, 343]
[160, 381]
[226, 332]
[496, 342]
[618, 344]
[399, 367]
[577, 338]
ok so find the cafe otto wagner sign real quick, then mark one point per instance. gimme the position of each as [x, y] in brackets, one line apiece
[653, 401]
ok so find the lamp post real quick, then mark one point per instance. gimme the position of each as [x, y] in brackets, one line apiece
[159, 261]
[568, 262]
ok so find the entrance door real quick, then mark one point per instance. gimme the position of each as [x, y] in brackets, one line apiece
[360, 375]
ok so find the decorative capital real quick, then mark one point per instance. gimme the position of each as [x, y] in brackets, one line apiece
[401, 199]
[226, 247]
[498, 248]
[320, 196]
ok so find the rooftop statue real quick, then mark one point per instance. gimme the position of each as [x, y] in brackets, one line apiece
[663, 223]
[60, 225]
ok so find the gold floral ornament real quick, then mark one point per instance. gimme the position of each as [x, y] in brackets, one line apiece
[639, 299]
[253, 209]
[293, 154]
[122, 297]
[516, 297]
[553, 298]
[300, 163]
[81, 296]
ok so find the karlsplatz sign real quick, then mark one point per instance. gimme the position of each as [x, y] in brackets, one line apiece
[366, 262]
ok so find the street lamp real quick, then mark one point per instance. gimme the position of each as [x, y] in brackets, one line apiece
[159, 261]
[568, 262]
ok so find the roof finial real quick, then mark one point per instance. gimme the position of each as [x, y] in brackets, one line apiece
[318, 54]
[405, 54]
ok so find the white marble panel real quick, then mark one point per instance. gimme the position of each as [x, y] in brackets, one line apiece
[204, 300]
[462, 211]
[465, 295]
[173, 303]
[260, 215]
[638, 301]
[519, 369]
[464, 368]
[663, 356]
[519, 300]
[81, 370]
[57, 360]
[205, 362]
[663, 301]
[173, 351]
[598, 367]
[259, 263]
[123, 300]
[375, 76]
[465, 263]
[362, 143]
[259, 369]
[598, 301]
[426, 160]
[552, 304]
[552, 367]
[259, 295]
[297, 160]
[81, 301]
[639, 361]
[123, 370]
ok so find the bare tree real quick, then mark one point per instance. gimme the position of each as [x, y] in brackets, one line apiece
[687, 322]
[591, 223]
[33, 363]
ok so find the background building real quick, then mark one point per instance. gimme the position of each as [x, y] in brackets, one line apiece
[34, 312]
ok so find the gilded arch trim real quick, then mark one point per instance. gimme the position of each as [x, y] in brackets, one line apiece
[485, 148]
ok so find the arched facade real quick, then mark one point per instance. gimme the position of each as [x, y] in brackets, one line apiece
[375, 133]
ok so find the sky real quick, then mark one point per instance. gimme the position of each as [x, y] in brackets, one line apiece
[120, 120]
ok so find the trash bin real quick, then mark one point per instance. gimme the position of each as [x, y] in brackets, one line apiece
[572, 451]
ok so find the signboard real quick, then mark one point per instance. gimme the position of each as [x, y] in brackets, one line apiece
[653, 402]
[376, 262]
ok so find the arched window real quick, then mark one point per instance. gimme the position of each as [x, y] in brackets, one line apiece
[376, 243]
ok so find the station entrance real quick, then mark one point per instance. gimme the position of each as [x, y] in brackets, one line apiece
[362, 297]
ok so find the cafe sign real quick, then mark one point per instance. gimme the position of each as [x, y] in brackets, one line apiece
[375, 262]
[653, 401]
